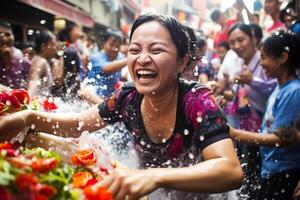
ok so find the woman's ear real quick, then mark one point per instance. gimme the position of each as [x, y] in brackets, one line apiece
[283, 57]
[183, 63]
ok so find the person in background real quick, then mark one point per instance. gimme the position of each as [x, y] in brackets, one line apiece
[28, 50]
[272, 8]
[106, 65]
[253, 87]
[278, 138]
[179, 132]
[70, 36]
[14, 69]
[40, 79]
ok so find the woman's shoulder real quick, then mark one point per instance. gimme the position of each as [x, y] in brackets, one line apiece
[192, 88]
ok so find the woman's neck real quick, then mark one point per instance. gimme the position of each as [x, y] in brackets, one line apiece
[161, 104]
[286, 76]
[248, 59]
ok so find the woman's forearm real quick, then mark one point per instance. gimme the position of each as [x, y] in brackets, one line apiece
[265, 139]
[63, 124]
[114, 66]
[211, 176]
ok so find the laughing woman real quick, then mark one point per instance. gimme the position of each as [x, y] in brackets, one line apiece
[180, 134]
[280, 170]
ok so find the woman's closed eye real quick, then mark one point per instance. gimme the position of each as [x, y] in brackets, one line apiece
[133, 50]
[156, 50]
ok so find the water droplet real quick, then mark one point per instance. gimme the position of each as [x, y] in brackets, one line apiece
[277, 144]
[199, 119]
[201, 138]
[49, 119]
[164, 140]
[43, 21]
[143, 143]
[80, 124]
[32, 127]
[282, 191]
[186, 132]
[191, 156]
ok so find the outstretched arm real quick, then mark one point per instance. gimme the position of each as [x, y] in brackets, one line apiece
[65, 124]
[219, 172]
[256, 138]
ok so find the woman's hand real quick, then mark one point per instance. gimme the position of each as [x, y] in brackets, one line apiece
[12, 124]
[296, 194]
[130, 184]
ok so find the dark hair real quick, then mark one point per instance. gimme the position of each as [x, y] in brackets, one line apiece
[27, 44]
[5, 25]
[215, 15]
[243, 27]
[115, 34]
[224, 44]
[42, 37]
[257, 32]
[177, 31]
[64, 34]
[282, 41]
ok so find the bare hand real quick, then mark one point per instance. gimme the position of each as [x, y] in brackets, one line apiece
[296, 194]
[245, 77]
[12, 124]
[130, 183]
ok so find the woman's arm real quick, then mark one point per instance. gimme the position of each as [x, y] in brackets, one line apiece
[64, 124]
[221, 171]
[256, 138]
[114, 66]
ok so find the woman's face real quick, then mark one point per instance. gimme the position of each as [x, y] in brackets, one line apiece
[271, 6]
[75, 34]
[112, 47]
[242, 44]
[50, 48]
[270, 64]
[152, 59]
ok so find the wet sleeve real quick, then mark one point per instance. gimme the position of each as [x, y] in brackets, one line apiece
[110, 110]
[205, 117]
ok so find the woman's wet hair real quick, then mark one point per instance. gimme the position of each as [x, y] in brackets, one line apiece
[178, 32]
[284, 41]
[42, 37]
[243, 27]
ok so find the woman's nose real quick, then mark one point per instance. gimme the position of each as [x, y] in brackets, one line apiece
[144, 59]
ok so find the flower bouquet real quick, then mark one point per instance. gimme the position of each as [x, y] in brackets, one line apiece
[18, 100]
[37, 174]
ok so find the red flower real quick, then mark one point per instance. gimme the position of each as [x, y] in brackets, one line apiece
[3, 108]
[6, 145]
[26, 181]
[49, 106]
[44, 165]
[22, 96]
[45, 190]
[10, 100]
[81, 179]
[5, 194]
[97, 192]
[84, 157]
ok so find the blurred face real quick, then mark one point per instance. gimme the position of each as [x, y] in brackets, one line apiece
[271, 6]
[221, 51]
[50, 48]
[271, 64]
[6, 40]
[112, 47]
[75, 33]
[242, 44]
[152, 59]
